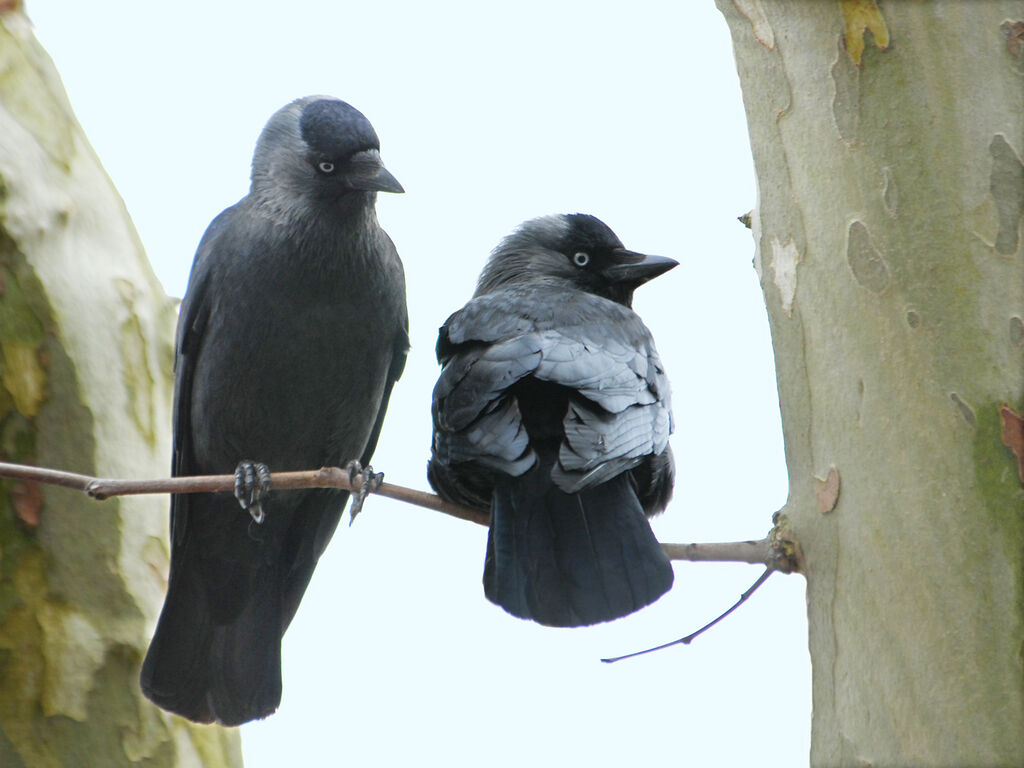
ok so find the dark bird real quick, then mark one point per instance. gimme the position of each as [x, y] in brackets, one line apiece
[553, 412]
[292, 333]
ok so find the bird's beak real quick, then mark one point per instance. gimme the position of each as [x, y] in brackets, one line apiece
[637, 268]
[367, 172]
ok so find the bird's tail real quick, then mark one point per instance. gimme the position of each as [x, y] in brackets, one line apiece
[212, 667]
[569, 560]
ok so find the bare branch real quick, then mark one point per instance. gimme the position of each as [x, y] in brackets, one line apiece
[763, 552]
[731, 551]
[325, 477]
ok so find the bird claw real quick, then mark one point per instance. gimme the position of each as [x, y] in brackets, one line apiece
[369, 481]
[252, 483]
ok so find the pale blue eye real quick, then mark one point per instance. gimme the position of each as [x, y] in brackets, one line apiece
[581, 259]
[326, 167]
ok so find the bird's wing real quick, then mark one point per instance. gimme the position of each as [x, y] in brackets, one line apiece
[399, 354]
[619, 410]
[623, 412]
[475, 416]
[192, 319]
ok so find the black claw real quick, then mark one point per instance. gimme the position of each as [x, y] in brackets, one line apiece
[369, 481]
[252, 483]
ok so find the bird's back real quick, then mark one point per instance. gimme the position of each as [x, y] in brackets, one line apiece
[553, 412]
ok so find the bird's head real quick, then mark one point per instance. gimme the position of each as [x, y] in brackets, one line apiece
[321, 150]
[577, 249]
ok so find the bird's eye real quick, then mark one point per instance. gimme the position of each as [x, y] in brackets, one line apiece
[326, 166]
[581, 258]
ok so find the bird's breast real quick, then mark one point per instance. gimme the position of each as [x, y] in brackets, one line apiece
[293, 376]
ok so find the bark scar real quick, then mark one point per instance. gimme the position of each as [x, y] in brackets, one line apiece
[1013, 436]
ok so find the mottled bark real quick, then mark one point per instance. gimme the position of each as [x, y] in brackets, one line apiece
[887, 141]
[85, 381]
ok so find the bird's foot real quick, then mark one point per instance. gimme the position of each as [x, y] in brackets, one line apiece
[252, 483]
[369, 481]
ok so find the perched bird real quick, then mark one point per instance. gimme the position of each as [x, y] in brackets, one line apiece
[553, 412]
[292, 333]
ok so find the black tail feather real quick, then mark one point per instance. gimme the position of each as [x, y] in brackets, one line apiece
[571, 560]
[208, 671]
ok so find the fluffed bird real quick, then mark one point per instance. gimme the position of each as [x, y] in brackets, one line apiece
[553, 412]
[291, 335]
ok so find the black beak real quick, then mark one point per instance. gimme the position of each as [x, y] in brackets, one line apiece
[637, 268]
[367, 172]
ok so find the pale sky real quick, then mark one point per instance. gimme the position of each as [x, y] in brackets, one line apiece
[488, 116]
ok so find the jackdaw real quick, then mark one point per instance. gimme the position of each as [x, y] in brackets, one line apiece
[553, 412]
[292, 333]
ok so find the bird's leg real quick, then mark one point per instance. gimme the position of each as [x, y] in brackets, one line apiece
[369, 481]
[252, 483]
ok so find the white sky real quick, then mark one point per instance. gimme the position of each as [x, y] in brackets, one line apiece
[489, 116]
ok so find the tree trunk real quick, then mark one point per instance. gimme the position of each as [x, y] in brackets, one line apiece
[85, 382]
[887, 142]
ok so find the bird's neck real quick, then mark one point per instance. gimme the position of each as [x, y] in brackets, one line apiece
[315, 215]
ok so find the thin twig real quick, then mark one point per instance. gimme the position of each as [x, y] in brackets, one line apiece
[336, 477]
[692, 636]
